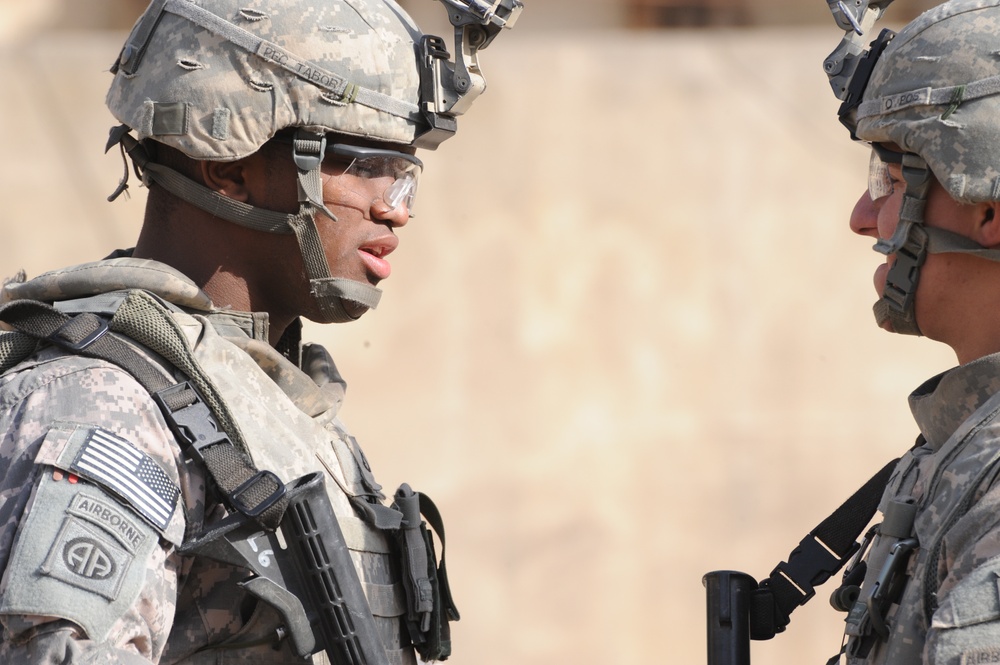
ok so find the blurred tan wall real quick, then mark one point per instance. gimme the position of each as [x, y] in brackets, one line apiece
[18, 17]
[627, 339]
[560, 15]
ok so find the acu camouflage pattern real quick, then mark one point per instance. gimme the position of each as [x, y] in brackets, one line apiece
[951, 49]
[949, 611]
[188, 610]
[213, 99]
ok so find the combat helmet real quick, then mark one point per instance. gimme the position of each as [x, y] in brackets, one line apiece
[928, 98]
[217, 79]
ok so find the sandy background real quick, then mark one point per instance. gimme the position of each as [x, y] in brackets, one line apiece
[626, 341]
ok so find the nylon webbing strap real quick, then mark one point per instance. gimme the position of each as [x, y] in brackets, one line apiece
[433, 515]
[257, 494]
[819, 555]
[85, 334]
[231, 210]
[14, 347]
[955, 94]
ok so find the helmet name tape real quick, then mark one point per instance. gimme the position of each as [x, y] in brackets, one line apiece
[930, 97]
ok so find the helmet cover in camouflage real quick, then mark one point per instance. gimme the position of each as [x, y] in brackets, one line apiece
[216, 79]
[935, 92]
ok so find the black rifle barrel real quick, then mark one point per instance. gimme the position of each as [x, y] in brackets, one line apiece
[728, 603]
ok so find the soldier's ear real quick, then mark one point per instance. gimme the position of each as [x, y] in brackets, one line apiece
[988, 230]
[228, 178]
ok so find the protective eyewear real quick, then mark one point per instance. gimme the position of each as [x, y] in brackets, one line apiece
[880, 181]
[367, 174]
[363, 171]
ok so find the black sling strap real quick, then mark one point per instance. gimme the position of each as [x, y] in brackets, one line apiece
[193, 419]
[822, 553]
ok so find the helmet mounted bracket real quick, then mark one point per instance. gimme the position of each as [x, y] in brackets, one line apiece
[848, 111]
[857, 20]
[449, 88]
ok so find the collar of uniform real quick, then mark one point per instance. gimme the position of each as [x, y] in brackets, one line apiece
[114, 274]
[230, 323]
[944, 402]
[121, 272]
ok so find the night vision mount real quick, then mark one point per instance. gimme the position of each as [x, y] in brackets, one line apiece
[850, 65]
[449, 88]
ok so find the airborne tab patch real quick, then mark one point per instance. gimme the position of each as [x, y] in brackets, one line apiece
[111, 516]
[117, 465]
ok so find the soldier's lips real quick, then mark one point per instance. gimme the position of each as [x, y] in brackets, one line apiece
[373, 255]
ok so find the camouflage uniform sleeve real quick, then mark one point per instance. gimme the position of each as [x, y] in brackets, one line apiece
[965, 627]
[90, 514]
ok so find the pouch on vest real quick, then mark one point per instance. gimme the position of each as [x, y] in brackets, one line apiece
[430, 607]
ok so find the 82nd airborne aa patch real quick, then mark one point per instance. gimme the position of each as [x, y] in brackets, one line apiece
[102, 505]
[86, 557]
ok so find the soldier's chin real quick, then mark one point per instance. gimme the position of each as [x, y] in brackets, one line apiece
[354, 309]
[881, 311]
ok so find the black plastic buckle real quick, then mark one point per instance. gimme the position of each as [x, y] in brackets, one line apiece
[256, 511]
[889, 584]
[901, 281]
[59, 338]
[193, 425]
[810, 565]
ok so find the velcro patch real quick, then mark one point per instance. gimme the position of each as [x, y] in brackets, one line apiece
[981, 656]
[110, 516]
[79, 555]
[117, 465]
[85, 557]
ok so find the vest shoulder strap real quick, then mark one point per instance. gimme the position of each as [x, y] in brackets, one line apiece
[194, 408]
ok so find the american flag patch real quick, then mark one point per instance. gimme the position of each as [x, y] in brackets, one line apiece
[117, 465]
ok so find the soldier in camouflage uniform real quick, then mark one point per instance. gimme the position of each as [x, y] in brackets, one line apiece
[277, 140]
[931, 110]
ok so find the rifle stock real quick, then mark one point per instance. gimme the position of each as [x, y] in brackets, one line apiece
[304, 570]
[342, 621]
[728, 603]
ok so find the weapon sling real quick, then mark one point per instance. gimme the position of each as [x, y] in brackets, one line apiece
[739, 609]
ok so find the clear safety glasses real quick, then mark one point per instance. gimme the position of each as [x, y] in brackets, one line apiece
[880, 181]
[374, 173]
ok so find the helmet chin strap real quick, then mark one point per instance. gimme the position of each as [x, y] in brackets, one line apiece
[338, 299]
[909, 244]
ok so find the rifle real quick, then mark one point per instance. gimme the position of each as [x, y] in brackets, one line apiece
[305, 572]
